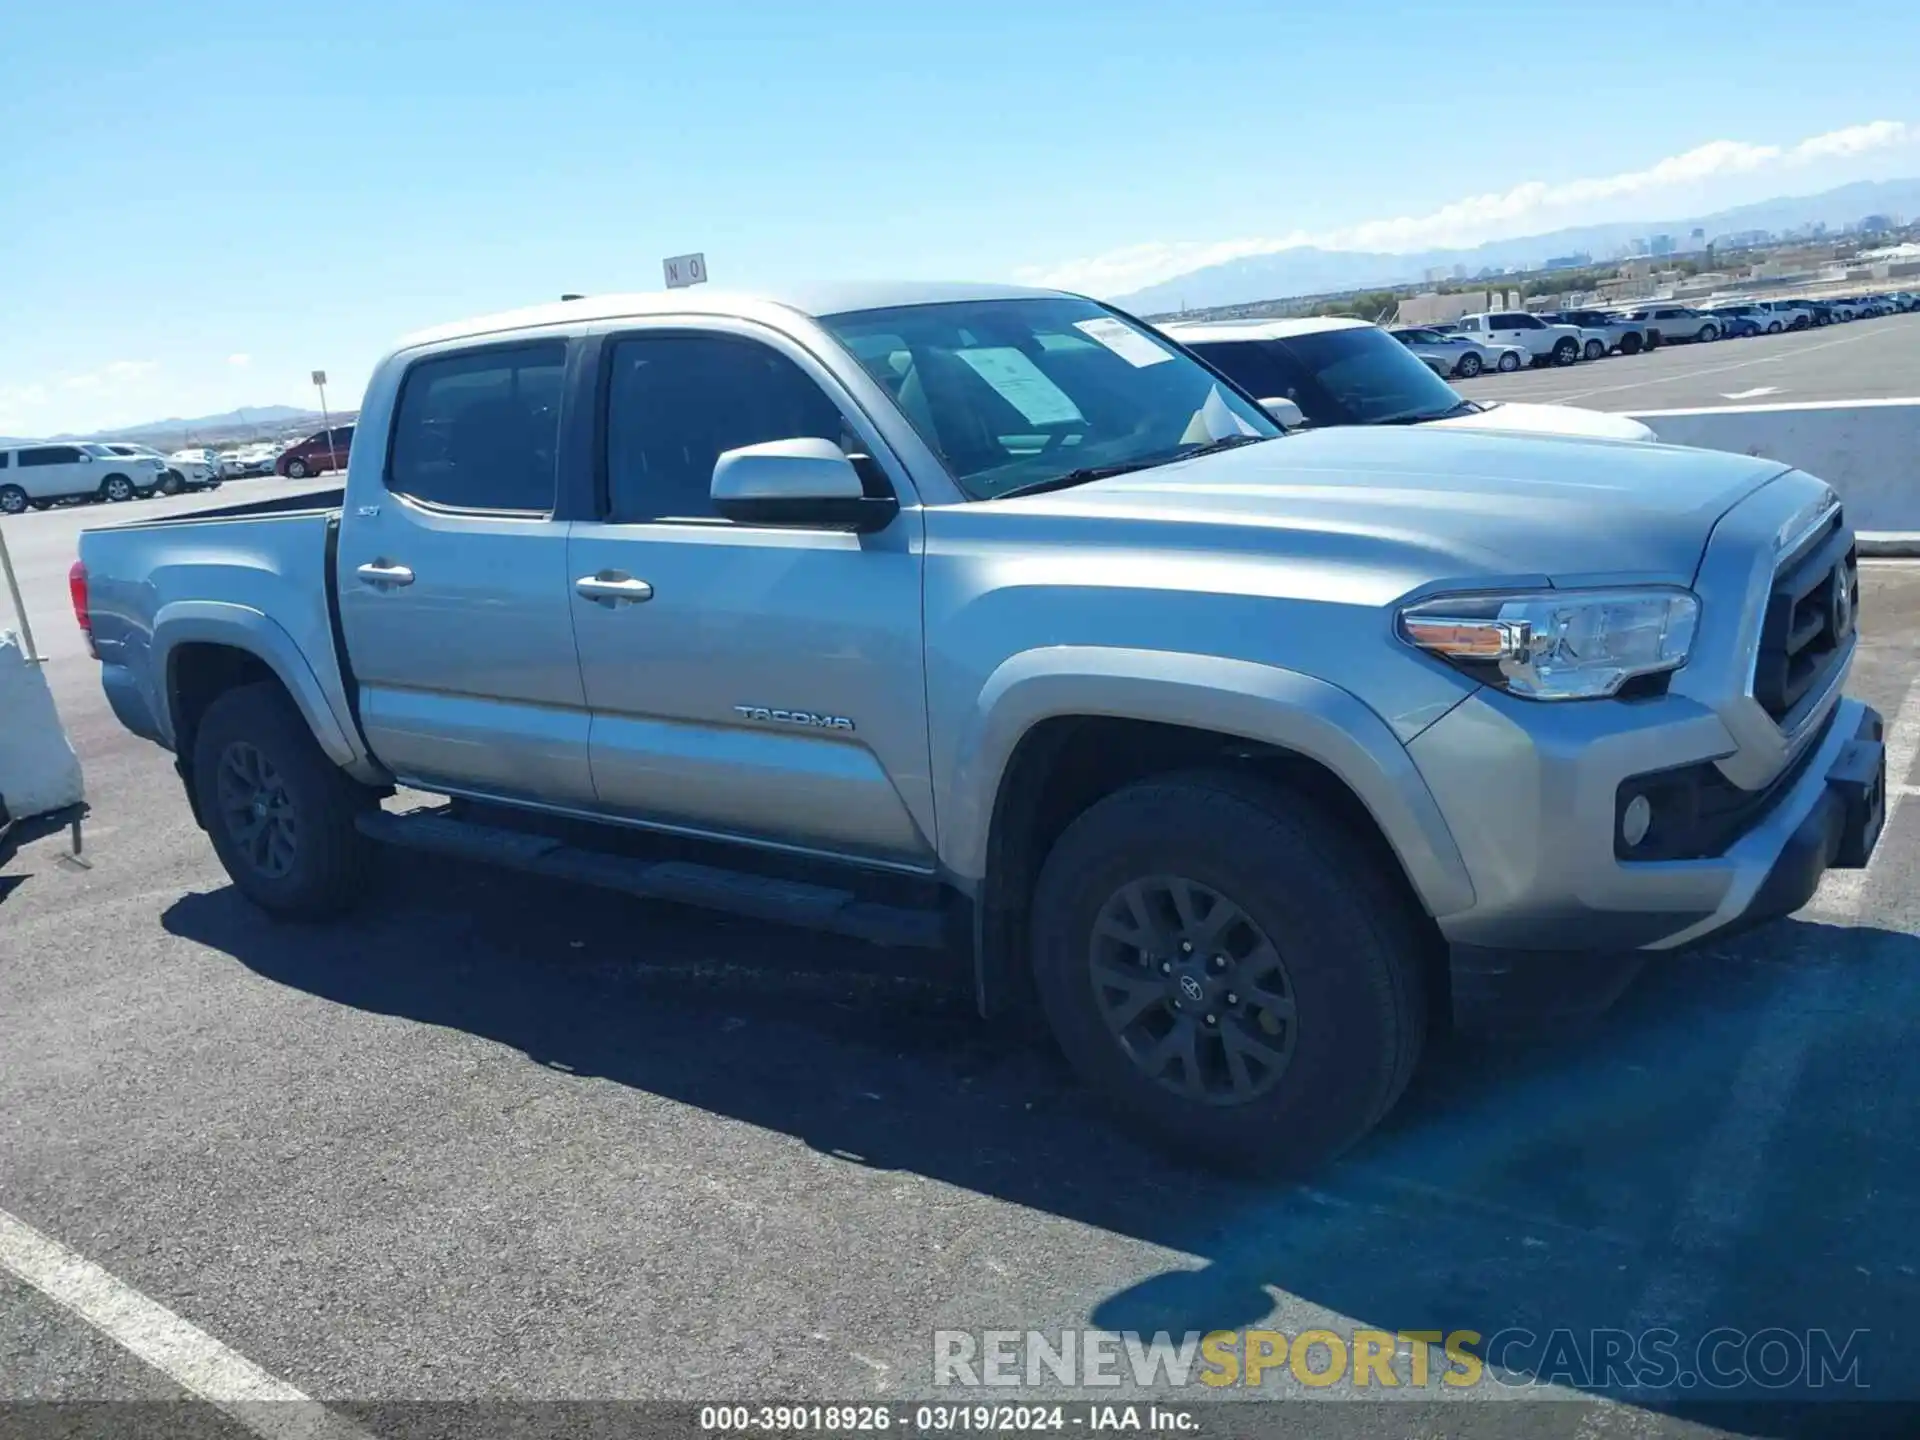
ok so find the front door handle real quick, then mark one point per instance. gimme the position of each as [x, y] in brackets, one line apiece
[612, 588]
[383, 576]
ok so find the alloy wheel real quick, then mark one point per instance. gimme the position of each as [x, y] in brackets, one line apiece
[258, 811]
[1192, 989]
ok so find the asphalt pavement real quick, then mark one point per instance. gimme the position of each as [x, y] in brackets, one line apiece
[1863, 359]
[493, 1140]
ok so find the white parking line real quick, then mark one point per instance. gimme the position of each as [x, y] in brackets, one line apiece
[179, 1350]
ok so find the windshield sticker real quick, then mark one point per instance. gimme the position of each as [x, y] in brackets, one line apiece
[1123, 340]
[1022, 385]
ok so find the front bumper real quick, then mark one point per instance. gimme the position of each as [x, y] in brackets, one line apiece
[1583, 957]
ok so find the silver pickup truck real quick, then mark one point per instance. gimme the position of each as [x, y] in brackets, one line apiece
[990, 618]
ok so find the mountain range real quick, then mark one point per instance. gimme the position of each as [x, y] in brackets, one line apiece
[1309, 270]
[175, 432]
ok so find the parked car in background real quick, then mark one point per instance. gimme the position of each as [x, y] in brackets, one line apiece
[177, 474]
[1793, 314]
[36, 476]
[1455, 356]
[1623, 336]
[1667, 323]
[1245, 760]
[198, 469]
[1841, 307]
[1740, 318]
[316, 454]
[1348, 372]
[1545, 344]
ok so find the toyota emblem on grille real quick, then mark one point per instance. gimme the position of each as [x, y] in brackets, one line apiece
[1842, 603]
[1190, 988]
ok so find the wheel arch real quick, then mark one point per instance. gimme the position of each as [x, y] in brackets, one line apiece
[1057, 729]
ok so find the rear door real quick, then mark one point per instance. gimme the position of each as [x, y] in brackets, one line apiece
[454, 595]
[763, 684]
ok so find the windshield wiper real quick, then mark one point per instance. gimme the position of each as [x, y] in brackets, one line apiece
[1420, 417]
[1077, 477]
[1226, 442]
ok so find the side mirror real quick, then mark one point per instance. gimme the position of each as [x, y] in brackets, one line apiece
[1284, 412]
[805, 482]
[85, 458]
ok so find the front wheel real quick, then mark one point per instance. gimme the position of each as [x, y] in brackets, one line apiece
[1596, 350]
[13, 500]
[279, 813]
[1706, 333]
[116, 489]
[1566, 351]
[1774, 327]
[1630, 344]
[1468, 367]
[297, 470]
[1507, 363]
[172, 483]
[1229, 968]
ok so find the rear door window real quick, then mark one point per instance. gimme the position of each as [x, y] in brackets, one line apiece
[479, 430]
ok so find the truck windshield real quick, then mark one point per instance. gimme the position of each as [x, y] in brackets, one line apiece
[1020, 393]
[1360, 376]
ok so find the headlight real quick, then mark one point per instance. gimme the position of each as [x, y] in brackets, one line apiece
[1557, 644]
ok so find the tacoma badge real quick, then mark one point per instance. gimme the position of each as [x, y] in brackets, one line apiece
[793, 717]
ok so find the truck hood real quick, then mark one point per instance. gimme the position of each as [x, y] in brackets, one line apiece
[1438, 503]
[1509, 416]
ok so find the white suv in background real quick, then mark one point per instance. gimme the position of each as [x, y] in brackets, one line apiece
[38, 475]
[1547, 344]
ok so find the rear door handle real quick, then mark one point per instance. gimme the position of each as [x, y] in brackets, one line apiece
[383, 576]
[612, 588]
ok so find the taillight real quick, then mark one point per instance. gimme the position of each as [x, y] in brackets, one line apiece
[77, 588]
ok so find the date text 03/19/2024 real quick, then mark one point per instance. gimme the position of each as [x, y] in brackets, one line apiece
[933, 1419]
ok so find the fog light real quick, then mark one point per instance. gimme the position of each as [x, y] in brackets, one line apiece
[1636, 820]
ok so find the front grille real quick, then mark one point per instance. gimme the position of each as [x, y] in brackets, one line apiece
[1811, 615]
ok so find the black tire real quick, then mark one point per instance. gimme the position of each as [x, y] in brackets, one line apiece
[1566, 351]
[1630, 343]
[1596, 350]
[309, 869]
[1350, 955]
[297, 470]
[13, 500]
[172, 483]
[1507, 363]
[1705, 334]
[1468, 366]
[117, 489]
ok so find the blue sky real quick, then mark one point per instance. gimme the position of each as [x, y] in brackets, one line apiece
[200, 202]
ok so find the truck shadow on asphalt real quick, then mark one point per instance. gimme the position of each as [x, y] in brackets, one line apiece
[1716, 1152]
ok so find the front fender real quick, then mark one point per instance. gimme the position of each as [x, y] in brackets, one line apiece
[240, 627]
[1261, 703]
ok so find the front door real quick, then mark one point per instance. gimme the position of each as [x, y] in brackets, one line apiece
[454, 592]
[763, 684]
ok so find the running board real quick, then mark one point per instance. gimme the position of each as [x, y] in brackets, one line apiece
[786, 902]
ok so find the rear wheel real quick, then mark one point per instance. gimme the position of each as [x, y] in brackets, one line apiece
[1507, 363]
[1706, 333]
[13, 500]
[116, 488]
[1630, 343]
[1774, 327]
[1468, 367]
[172, 483]
[1566, 351]
[297, 470]
[279, 813]
[1227, 966]
[1596, 350]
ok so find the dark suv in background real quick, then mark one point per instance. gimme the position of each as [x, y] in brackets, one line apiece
[314, 455]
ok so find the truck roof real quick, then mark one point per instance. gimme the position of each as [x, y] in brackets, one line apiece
[701, 300]
[1201, 332]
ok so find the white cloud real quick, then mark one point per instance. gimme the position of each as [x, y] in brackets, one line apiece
[1525, 209]
[240, 360]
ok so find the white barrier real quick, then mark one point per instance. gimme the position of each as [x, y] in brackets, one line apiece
[1868, 450]
[38, 770]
